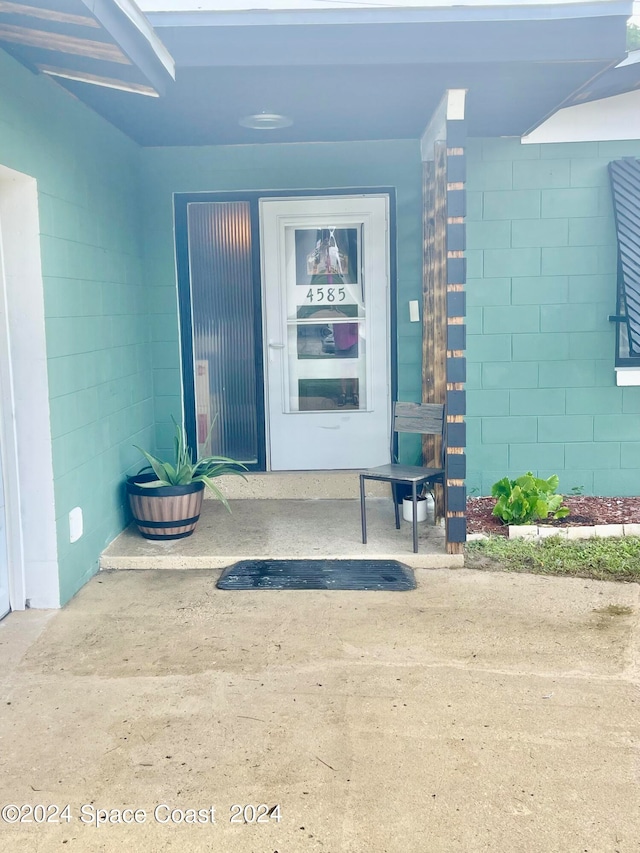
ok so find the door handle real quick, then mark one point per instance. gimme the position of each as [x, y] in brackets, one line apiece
[273, 346]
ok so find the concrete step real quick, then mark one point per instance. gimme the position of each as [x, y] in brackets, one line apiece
[281, 529]
[297, 485]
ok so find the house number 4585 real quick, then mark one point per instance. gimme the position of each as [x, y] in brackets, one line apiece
[326, 294]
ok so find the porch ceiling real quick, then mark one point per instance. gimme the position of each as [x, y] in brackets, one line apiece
[379, 75]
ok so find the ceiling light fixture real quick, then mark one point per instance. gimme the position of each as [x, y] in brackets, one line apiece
[266, 121]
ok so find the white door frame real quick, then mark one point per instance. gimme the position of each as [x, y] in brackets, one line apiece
[267, 276]
[25, 431]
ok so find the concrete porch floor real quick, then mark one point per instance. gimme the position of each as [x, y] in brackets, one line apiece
[271, 528]
[481, 712]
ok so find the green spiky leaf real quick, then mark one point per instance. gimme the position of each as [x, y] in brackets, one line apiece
[184, 471]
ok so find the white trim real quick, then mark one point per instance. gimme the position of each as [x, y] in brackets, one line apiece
[94, 79]
[632, 58]
[26, 431]
[9, 451]
[450, 108]
[627, 375]
[143, 26]
[9, 457]
[455, 104]
[607, 119]
[251, 5]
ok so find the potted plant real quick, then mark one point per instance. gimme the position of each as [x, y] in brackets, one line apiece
[421, 507]
[166, 499]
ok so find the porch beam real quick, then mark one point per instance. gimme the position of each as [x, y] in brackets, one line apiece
[63, 44]
[8, 8]
[97, 80]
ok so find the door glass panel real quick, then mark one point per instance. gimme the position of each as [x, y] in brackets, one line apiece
[327, 256]
[223, 329]
[318, 395]
[326, 319]
[330, 337]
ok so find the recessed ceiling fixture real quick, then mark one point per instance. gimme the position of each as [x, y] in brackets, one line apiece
[266, 121]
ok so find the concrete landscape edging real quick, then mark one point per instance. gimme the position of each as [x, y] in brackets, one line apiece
[537, 532]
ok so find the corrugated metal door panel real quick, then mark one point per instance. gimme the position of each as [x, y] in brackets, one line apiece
[222, 294]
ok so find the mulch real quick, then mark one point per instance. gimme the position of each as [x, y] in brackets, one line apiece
[585, 512]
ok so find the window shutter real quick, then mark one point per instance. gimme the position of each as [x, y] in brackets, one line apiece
[625, 183]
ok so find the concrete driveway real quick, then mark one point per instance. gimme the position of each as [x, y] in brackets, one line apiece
[482, 712]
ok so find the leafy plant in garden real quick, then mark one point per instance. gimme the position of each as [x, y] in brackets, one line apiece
[185, 471]
[527, 499]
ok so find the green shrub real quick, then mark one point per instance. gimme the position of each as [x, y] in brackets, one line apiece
[527, 499]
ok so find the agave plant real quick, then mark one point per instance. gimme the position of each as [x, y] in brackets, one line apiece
[185, 471]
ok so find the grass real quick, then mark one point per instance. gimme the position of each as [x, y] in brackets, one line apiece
[612, 559]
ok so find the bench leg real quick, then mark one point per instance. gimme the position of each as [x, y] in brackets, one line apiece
[363, 511]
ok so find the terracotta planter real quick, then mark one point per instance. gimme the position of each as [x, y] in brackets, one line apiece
[165, 512]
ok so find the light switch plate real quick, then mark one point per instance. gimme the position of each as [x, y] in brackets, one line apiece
[414, 311]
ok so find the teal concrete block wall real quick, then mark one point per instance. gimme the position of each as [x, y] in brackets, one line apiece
[97, 328]
[542, 283]
[276, 167]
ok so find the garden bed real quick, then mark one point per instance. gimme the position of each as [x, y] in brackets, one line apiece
[585, 511]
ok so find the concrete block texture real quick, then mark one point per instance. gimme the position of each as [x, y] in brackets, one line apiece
[510, 318]
[574, 201]
[512, 204]
[512, 262]
[540, 290]
[482, 292]
[541, 174]
[565, 428]
[537, 401]
[498, 374]
[536, 457]
[509, 430]
[570, 260]
[560, 266]
[549, 348]
[539, 232]
[588, 454]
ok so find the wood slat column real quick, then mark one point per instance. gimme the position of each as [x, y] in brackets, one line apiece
[444, 279]
[434, 337]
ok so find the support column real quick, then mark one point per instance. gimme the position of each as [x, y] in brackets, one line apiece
[444, 279]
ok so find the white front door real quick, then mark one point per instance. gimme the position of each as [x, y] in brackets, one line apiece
[325, 278]
[4, 561]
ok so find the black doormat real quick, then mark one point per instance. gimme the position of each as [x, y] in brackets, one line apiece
[318, 574]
